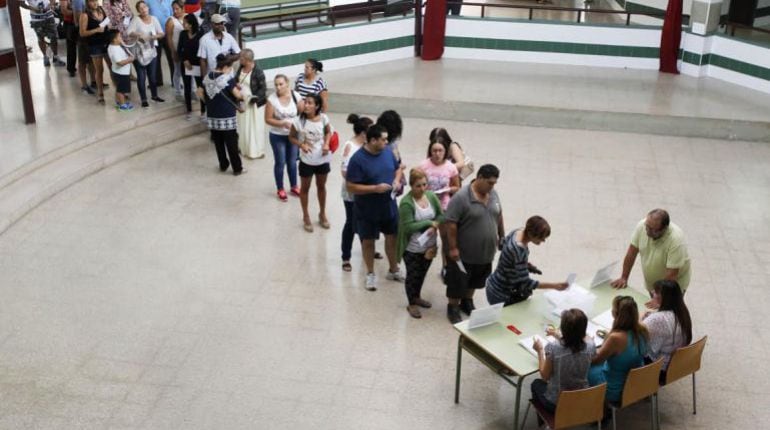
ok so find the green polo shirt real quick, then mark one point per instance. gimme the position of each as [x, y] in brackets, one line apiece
[667, 252]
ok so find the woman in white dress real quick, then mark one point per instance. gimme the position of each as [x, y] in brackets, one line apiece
[251, 122]
[174, 28]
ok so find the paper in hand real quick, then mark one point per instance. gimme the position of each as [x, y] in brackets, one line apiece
[105, 23]
[425, 237]
[461, 266]
[571, 279]
[443, 190]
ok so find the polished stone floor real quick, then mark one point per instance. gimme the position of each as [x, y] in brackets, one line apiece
[161, 294]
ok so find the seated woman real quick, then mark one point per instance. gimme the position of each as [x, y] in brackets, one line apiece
[622, 350]
[564, 365]
[510, 282]
[670, 327]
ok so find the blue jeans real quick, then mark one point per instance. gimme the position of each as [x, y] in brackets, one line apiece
[348, 230]
[143, 73]
[285, 154]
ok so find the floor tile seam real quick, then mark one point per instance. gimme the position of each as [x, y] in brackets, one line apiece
[84, 142]
[49, 188]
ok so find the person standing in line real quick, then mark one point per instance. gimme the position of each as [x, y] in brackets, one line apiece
[119, 13]
[360, 126]
[232, 10]
[216, 42]
[251, 122]
[443, 178]
[475, 229]
[393, 124]
[222, 101]
[418, 214]
[84, 63]
[147, 30]
[282, 107]
[174, 27]
[454, 152]
[663, 251]
[311, 82]
[120, 59]
[70, 30]
[41, 19]
[161, 10]
[510, 282]
[372, 174]
[96, 39]
[187, 52]
[311, 132]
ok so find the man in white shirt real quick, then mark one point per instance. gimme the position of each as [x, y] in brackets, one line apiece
[215, 42]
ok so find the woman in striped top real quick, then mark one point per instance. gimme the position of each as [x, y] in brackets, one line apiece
[510, 282]
[309, 82]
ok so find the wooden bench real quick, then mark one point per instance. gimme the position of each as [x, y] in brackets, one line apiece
[277, 12]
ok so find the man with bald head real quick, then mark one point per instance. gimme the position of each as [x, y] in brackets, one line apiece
[663, 251]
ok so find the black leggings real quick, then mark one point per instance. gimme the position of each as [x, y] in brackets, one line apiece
[226, 144]
[416, 268]
[187, 80]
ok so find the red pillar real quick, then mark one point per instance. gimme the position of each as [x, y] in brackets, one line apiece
[433, 31]
[671, 37]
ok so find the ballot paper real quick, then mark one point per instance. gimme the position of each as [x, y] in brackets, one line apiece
[528, 342]
[193, 71]
[571, 278]
[604, 319]
[461, 266]
[105, 23]
[127, 21]
[604, 274]
[425, 236]
[573, 297]
[481, 317]
[443, 190]
[591, 330]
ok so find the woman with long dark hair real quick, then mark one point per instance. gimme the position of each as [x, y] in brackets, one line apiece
[622, 350]
[311, 133]
[187, 51]
[454, 152]
[97, 41]
[564, 364]
[671, 326]
[393, 124]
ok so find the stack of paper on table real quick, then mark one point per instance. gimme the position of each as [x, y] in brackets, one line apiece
[604, 319]
[573, 297]
[528, 342]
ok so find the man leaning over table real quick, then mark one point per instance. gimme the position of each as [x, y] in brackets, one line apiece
[663, 251]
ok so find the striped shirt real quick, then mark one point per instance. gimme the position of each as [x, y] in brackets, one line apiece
[45, 12]
[305, 88]
[510, 282]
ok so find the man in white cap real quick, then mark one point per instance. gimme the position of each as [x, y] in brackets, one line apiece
[215, 42]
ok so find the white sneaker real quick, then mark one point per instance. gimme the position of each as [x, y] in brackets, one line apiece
[371, 282]
[188, 116]
[395, 276]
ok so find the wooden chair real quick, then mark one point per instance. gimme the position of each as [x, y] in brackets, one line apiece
[574, 408]
[641, 383]
[686, 361]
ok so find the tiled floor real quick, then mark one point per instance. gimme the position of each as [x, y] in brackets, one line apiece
[160, 294]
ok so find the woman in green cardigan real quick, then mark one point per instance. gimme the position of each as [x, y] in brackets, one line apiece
[419, 216]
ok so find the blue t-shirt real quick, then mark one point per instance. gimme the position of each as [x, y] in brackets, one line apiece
[160, 9]
[372, 169]
[78, 6]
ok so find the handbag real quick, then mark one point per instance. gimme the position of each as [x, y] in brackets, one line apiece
[144, 52]
[334, 142]
[468, 168]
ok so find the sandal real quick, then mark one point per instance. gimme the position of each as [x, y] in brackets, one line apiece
[324, 222]
[346, 267]
[377, 255]
[100, 100]
[307, 226]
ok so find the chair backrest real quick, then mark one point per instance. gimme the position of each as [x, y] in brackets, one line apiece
[641, 382]
[578, 407]
[685, 361]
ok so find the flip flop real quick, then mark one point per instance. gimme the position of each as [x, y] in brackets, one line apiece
[346, 267]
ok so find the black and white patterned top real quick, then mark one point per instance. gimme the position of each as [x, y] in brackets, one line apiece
[220, 103]
[306, 88]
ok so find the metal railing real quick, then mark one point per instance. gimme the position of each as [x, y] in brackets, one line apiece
[730, 28]
[581, 12]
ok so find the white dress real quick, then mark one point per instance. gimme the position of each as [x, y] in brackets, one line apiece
[251, 123]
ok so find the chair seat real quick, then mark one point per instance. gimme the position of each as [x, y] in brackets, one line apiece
[548, 417]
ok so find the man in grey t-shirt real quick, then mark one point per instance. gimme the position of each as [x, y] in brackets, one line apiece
[474, 229]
